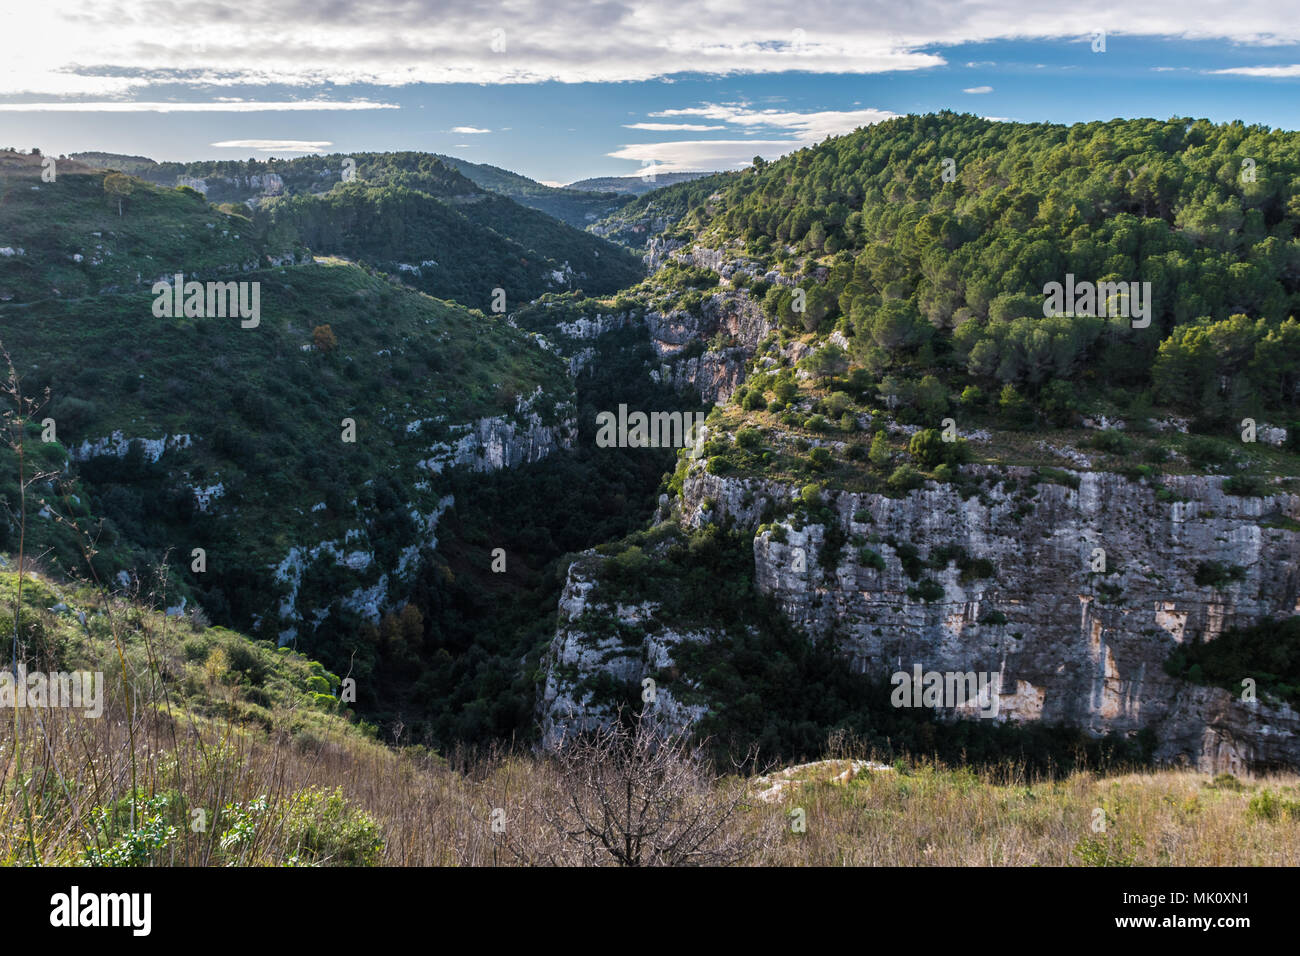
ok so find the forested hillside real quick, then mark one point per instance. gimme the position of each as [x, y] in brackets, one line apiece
[927, 272]
[867, 318]
[460, 251]
[411, 214]
[927, 460]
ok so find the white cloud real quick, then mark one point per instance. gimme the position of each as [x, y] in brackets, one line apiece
[469, 129]
[1278, 71]
[978, 89]
[798, 130]
[112, 47]
[243, 106]
[702, 154]
[672, 127]
[816, 126]
[275, 145]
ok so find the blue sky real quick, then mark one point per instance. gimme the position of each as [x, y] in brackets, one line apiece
[565, 90]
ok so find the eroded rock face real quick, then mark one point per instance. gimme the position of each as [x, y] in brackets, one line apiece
[1070, 645]
[489, 444]
[714, 373]
[1066, 643]
[569, 702]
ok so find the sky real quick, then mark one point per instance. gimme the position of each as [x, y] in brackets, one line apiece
[562, 90]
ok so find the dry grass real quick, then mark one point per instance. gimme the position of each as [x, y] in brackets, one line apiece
[430, 811]
[927, 815]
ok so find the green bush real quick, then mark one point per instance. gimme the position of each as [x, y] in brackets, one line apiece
[1246, 485]
[1112, 441]
[1205, 452]
[1215, 574]
[322, 828]
[905, 478]
[871, 559]
[928, 590]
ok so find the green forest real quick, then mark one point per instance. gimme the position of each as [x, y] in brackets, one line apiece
[938, 233]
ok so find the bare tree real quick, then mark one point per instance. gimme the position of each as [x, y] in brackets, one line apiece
[640, 795]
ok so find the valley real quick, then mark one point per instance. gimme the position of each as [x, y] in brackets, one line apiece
[416, 416]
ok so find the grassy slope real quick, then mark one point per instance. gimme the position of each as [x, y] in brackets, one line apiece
[256, 740]
[159, 232]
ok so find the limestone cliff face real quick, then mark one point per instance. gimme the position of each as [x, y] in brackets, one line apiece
[568, 703]
[502, 441]
[1068, 644]
[714, 373]
[1071, 645]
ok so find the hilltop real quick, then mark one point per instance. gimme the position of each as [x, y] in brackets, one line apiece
[635, 185]
[909, 461]
[412, 214]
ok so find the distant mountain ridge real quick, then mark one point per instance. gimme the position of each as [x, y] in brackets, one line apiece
[635, 185]
[575, 206]
[415, 215]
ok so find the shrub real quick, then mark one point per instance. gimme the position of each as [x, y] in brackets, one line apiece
[1206, 452]
[1225, 781]
[838, 403]
[1112, 441]
[321, 827]
[871, 559]
[880, 454]
[1216, 574]
[1016, 412]
[905, 478]
[926, 447]
[810, 496]
[749, 437]
[1246, 485]
[928, 590]
[754, 401]
[820, 458]
[324, 339]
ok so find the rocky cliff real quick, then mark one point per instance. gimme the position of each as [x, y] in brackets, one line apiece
[733, 320]
[1000, 578]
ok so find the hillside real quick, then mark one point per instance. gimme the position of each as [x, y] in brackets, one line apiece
[411, 214]
[576, 206]
[650, 218]
[909, 458]
[296, 452]
[913, 463]
[228, 753]
[634, 185]
[73, 238]
[462, 252]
